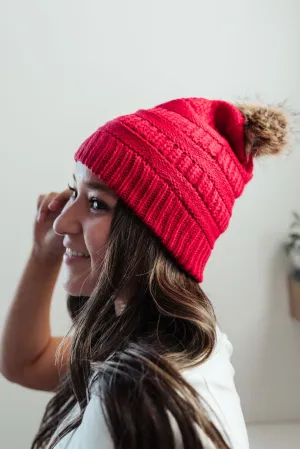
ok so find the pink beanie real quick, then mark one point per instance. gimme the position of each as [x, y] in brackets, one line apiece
[181, 165]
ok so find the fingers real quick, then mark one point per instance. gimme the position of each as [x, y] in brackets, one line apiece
[53, 202]
[43, 202]
[59, 200]
[39, 201]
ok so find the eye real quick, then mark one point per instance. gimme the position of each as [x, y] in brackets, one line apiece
[98, 205]
[73, 190]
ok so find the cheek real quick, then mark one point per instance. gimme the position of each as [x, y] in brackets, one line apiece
[96, 237]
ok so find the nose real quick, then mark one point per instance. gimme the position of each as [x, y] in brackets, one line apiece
[68, 222]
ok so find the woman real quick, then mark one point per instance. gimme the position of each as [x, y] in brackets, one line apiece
[147, 365]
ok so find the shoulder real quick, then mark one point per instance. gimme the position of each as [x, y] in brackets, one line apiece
[219, 358]
[214, 382]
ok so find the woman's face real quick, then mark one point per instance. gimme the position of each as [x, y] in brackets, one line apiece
[85, 224]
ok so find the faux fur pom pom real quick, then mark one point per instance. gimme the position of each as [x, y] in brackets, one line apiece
[266, 129]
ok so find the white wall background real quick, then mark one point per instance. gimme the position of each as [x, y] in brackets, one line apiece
[67, 67]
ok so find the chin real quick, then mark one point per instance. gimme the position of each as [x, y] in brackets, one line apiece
[77, 290]
[78, 284]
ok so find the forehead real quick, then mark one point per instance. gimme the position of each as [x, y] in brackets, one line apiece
[84, 175]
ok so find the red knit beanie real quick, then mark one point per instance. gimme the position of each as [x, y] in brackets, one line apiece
[181, 165]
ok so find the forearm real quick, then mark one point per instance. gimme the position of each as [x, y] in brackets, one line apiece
[27, 330]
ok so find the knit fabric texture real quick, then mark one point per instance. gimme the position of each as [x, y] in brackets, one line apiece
[179, 166]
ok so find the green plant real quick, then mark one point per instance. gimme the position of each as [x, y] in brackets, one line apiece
[293, 242]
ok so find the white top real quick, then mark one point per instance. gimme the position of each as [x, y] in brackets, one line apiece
[214, 380]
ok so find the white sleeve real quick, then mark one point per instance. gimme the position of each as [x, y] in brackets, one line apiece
[92, 433]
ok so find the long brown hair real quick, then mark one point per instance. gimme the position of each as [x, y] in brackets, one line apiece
[168, 325]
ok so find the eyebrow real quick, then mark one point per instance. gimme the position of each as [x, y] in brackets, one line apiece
[98, 186]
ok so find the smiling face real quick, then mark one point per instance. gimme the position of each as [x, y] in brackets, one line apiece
[85, 224]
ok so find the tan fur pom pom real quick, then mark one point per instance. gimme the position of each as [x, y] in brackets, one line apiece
[266, 129]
